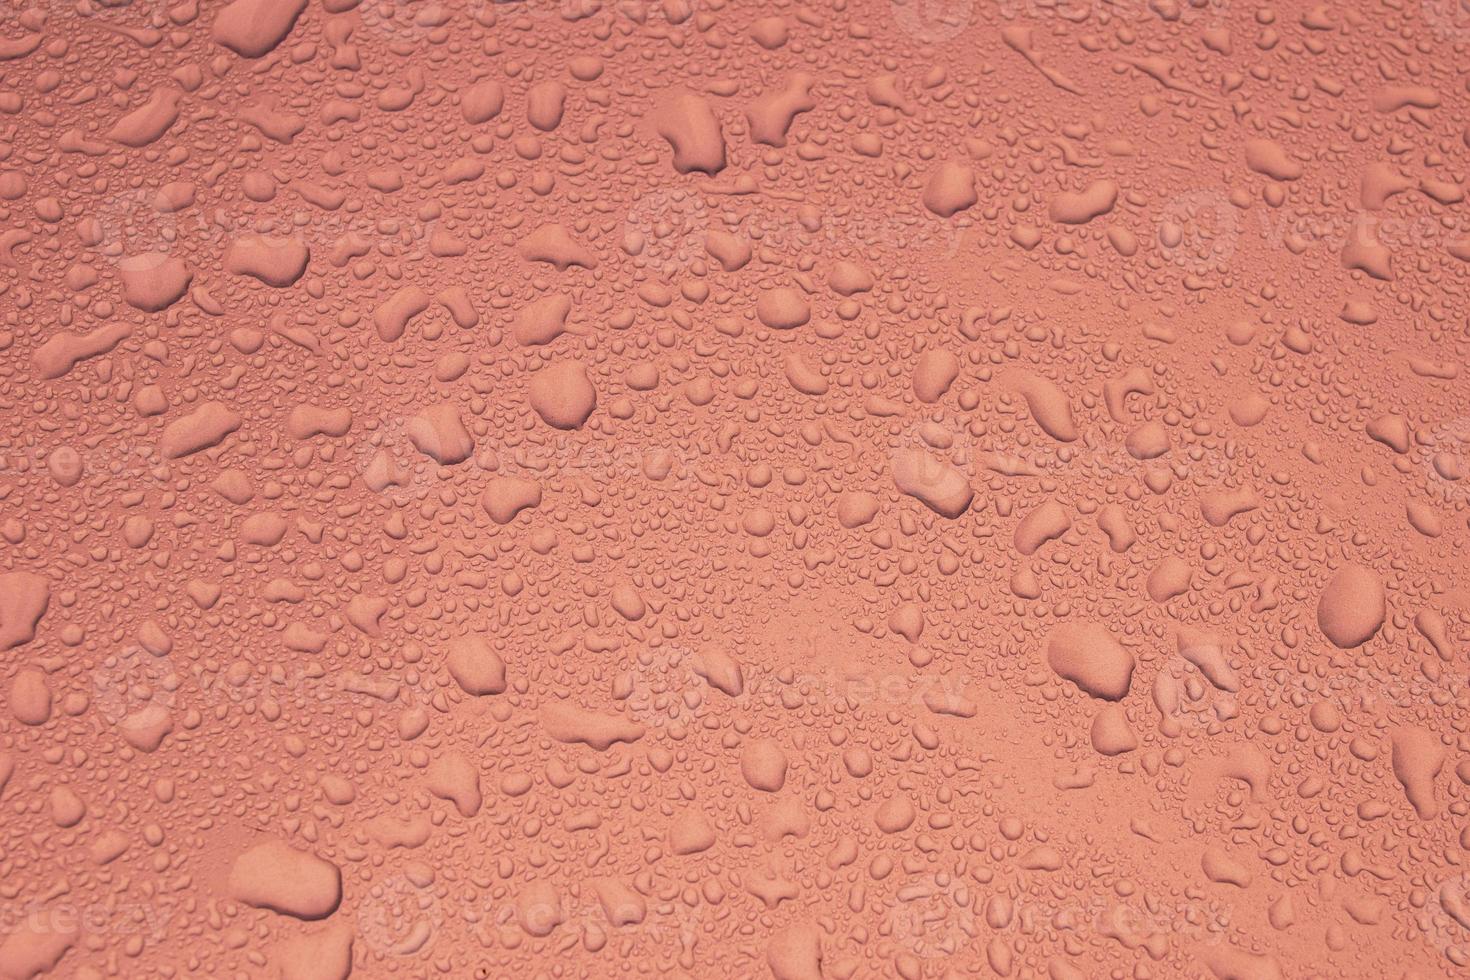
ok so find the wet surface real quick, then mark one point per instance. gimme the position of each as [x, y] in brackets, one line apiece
[691, 489]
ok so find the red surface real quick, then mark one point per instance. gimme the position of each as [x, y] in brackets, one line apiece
[930, 489]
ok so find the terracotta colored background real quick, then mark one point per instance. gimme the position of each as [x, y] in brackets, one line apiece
[591, 489]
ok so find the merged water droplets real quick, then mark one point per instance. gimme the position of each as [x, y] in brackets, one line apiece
[902, 487]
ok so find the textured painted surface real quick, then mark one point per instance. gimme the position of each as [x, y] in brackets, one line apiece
[695, 489]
